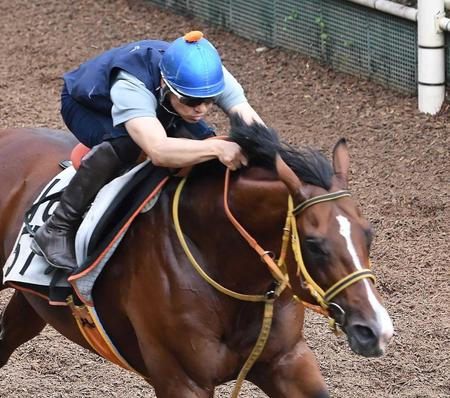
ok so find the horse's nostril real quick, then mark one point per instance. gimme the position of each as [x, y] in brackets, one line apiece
[364, 340]
[364, 333]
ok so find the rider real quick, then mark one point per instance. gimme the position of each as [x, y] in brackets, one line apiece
[140, 97]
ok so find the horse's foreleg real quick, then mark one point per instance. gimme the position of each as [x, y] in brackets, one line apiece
[18, 324]
[295, 374]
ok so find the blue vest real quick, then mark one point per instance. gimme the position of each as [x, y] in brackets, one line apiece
[90, 84]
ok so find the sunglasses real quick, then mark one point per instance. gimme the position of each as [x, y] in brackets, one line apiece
[194, 101]
[189, 101]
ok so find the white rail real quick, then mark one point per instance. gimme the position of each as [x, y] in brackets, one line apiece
[431, 23]
[405, 12]
[389, 7]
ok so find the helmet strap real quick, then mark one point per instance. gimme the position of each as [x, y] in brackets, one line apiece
[164, 100]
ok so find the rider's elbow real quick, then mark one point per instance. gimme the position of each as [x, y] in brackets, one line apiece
[158, 156]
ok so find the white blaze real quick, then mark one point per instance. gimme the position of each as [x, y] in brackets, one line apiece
[382, 318]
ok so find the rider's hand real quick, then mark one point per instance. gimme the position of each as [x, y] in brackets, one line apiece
[230, 154]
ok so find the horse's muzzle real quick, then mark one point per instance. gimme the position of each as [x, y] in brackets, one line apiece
[368, 338]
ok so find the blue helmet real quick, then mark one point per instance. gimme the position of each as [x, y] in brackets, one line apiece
[192, 66]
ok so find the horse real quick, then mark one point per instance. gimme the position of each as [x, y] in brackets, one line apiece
[172, 324]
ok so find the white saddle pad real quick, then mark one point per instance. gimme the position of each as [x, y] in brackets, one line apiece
[25, 267]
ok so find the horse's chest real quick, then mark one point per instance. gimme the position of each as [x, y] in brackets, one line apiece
[206, 355]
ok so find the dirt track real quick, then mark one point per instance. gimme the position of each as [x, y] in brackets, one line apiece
[400, 162]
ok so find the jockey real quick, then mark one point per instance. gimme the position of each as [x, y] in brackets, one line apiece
[148, 96]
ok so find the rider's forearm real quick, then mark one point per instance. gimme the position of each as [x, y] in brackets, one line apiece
[180, 152]
[165, 151]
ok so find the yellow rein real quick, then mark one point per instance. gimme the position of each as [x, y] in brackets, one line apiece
[277, 269]
[197, 266]
[267, 298]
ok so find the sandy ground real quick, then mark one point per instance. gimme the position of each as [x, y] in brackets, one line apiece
[400, 163]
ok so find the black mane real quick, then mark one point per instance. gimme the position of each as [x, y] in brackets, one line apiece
[261, 144]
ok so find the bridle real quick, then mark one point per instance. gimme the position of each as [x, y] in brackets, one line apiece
[277, 268]
[323, 297]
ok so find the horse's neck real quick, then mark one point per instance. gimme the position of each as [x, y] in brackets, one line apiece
[158, 271]
[259, 202]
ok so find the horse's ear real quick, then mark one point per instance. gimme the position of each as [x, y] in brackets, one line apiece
[341, 162]
[295, 186]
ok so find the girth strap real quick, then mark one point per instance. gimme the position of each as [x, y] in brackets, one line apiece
[92, 330]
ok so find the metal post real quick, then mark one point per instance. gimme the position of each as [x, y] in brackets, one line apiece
[431, 56]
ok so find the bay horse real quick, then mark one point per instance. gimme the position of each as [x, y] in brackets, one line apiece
[177, 330]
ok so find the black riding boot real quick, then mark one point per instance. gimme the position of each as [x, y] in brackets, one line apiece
[55, 240]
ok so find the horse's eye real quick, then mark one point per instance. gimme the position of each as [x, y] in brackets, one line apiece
[316, 246]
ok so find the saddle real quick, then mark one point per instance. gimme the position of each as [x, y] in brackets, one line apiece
[104, 225]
